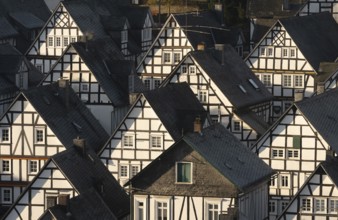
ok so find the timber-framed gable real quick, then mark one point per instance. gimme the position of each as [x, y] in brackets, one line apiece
[318, 6]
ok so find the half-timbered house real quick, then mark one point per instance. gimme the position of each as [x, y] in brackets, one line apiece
[205, 175]
[74, 173]
[227, 89]
[288, 57]
[156, 120]
[181, 34]
[317, 6]
[16, 74]
[318, 197]
[41, 122]
[74, 21]
[264, 13]
[99, 75]
[296, 144]
[8, 33]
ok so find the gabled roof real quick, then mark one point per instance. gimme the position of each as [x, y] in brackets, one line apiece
[87, 20]
[312, 38]
[203, 27]
[225, 153]
[321, 112]
[229, 156]
[136, 15]
[87, 205]
[27, 20]
[101, 57]
[6, 29]
[67, 121]
[177, 107]
[231, 75]
[86, 173]
[275, 8]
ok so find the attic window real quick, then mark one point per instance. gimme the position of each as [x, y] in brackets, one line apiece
[253, 84]
[242, 89]
[183, 172]
[77, 126]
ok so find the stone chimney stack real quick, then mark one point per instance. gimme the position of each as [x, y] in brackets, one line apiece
[80, 144]
[197, 125]
[64, 85]
[320, 88]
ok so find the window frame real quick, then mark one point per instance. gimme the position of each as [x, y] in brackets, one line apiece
[320, 207]
[279, 152]
[38, 136]
[214, 210]
[177, 181]
[308, 207]
[167, 57]
[147, 83]
[287, 81]
[33, 168]
[203, 95]
[175, 53]
[8, 138]
[192, 70]
[49, 197]
[124, 172]
[163, 209]
[50, 41]
[282, 181]
[6, 168]
[292, 53]
[139, 207]
[270, 49]
[82, 89]
[132, 173]
[262, 51]
[132, 137]
[3, 197]
[236, 123]
[292, 155]
[156, 83]
[264, 81]
[332, 206]
[296, 83]
[58, 41]
[154, 144]
[272, 203]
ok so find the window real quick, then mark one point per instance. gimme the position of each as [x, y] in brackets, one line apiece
[283, 205]
[128, 141]
[236, 125]
[84, 87]
[298, 81]
[183, 172]
[287, 80]
[292, 52]
[134, 170]
[123, 171]
[139, 211]
[6, 195]
[5, 166]
[157, 83]
[273, 181]
[5, 134]
[57, 41]
[287, 105]
[306, 205]
[296, 142]
[203, 96]
[51, 201]
[124, 36]
[262, 51]
[156, 141]
[177, 57]
[284, 181]
[166, 57]
[72, 39]
[212, 211]
[162, 210]
[267, 80]
[270, 51]
[285, 52]
[293, 154]
[39, 135]
[147, 83]
[242, 89]
[272, 207]
[277, 153]
[333, 206]
[184, 69]
[39, 67]
[253, 84]
[320, 205]
[146, 34]
[65, 41]
[192, 70]
[33, 166]
[50, 41]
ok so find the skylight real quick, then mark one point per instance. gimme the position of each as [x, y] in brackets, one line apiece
[242, 88]
[253, 84]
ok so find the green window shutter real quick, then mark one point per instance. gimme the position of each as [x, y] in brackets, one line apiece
[296, 141]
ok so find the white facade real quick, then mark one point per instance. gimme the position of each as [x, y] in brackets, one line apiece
[138, 140]
[317, 6]
[282, 68]
[26, 143]
[293, 148]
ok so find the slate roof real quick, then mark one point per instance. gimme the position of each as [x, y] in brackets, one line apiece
[326, 70]
[269, 8]
[227, 70]
[6, 29]
[66, 121]
[88, 175]
[256, 122]
[27, 20]
[204, 27]
[311, 35]
[107, 64]
[177, 107]
[87, 20]
[262, 25]
[321, 112]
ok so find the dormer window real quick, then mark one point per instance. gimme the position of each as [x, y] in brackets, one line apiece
[183, 172]
[124, 36]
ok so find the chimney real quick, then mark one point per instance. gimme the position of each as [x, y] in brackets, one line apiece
[80, 144]
[197, 125]
[64, 85]
[299, 95]
[320, 87]
[286, 5]
[131, 84]
[218, 8]
[221, 47]
[201, 46]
